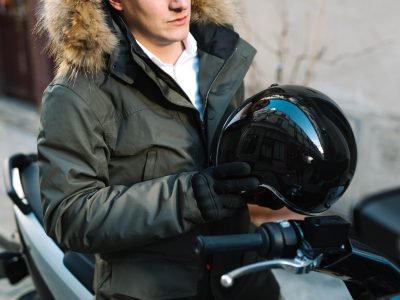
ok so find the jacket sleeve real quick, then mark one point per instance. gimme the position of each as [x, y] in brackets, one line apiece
[82, 212]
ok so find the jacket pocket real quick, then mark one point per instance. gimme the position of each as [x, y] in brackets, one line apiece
[153, 280]
[150, 165]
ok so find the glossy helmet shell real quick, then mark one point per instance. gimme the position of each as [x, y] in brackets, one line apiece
[299, 144]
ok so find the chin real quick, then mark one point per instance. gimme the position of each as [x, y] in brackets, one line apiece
[180, 35]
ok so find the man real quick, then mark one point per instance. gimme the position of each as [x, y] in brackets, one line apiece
[125, 147]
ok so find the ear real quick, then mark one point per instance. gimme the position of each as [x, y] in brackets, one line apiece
[116, 4]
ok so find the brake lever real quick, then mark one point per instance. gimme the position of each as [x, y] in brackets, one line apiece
[301, 264]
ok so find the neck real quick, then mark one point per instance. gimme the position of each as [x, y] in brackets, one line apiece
[168, 53]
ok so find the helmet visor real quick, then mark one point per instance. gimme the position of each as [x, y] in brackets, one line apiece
[286, 147]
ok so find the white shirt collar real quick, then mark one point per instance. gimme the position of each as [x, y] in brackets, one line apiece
[190, 51]
[184, 71]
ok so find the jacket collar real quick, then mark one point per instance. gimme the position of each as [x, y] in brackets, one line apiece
[215, 40]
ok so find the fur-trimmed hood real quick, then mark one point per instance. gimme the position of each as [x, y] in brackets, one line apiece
[79, 37]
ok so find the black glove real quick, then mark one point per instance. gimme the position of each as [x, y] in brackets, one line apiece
[217, 189]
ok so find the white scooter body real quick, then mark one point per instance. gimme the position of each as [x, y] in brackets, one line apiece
[56, 274]
[48, 258]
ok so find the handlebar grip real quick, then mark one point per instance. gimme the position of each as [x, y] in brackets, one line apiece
[223, 243]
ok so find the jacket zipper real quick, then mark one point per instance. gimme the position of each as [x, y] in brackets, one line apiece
[203, 126]
[215, 79]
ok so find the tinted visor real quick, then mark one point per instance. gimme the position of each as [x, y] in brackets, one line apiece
[286, 145]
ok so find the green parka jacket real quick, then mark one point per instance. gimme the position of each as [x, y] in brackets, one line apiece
[119, 142]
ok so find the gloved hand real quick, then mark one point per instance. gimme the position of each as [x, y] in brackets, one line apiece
[217, 189]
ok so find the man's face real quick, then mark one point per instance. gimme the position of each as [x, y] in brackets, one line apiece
[158, 22]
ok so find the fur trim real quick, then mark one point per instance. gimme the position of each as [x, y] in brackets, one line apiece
[220, 12]
[78, 34]
[79, 38]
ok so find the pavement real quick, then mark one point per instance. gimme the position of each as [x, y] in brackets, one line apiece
[18, 130]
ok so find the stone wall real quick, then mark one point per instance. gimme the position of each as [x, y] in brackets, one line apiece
[348, 49]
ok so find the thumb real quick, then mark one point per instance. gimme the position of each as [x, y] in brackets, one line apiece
[232, 169]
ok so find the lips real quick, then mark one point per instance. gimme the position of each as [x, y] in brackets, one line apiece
[179, 21]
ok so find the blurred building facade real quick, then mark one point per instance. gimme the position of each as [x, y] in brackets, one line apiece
[350, 50]
[25, 69]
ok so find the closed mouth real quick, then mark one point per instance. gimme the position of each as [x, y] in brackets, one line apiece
[182, 19]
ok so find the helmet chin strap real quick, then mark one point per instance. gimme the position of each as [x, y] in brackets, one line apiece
[278, 197]
[274, 191]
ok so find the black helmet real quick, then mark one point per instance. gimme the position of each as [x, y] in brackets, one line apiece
[299, 144]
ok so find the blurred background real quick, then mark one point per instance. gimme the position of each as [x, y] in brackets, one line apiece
[25, 68]
[348, 49]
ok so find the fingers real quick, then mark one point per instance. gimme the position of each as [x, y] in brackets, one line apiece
[232, 170]
[235, 186]
[202, 187]
[232, 201]
[217, 189]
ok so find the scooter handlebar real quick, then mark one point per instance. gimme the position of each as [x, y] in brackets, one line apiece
[224, 243]
[278, 239]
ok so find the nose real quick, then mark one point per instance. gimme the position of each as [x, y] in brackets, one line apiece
[179, 4]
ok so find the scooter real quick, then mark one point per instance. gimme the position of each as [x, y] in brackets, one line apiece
[56, 274]
[328, 245]
[365, 255]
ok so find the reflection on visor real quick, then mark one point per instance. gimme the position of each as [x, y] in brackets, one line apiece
[285, 106]
[299, 117]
